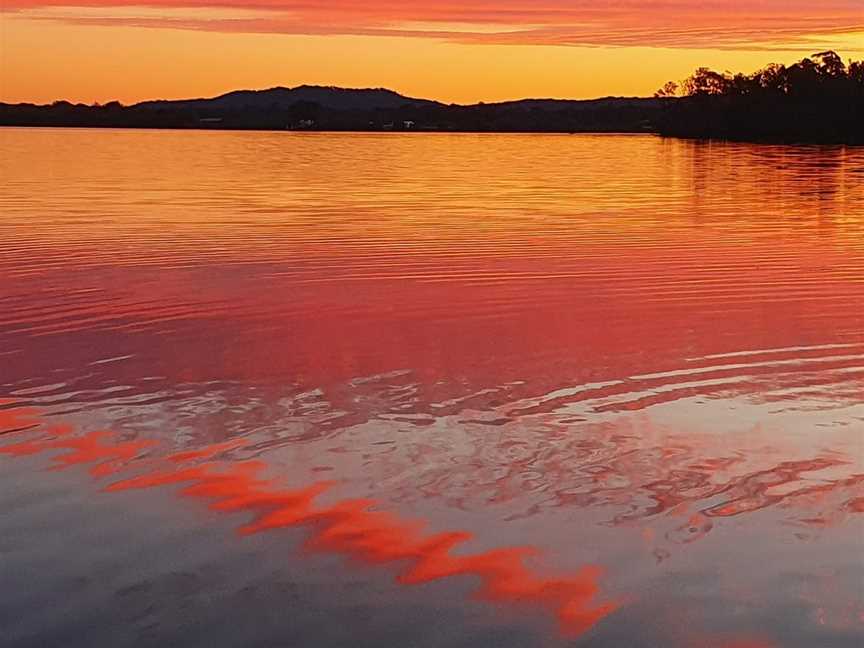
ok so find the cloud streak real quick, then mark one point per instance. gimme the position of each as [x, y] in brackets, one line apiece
[742, 24]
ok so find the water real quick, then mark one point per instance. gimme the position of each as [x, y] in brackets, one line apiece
[429, 390]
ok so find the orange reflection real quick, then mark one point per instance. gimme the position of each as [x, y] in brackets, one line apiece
[533, 324]
[347, 527]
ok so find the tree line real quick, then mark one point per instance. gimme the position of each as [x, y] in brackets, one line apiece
[818, 99]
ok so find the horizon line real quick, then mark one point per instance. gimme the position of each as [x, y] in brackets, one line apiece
[327, 87]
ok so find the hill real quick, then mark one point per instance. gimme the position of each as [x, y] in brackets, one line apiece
[329, 97]
[818, 100]
[346, 109]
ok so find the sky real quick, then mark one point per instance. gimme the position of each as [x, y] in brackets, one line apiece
[451, 50]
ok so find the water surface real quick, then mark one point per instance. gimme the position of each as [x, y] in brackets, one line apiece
[452, 390]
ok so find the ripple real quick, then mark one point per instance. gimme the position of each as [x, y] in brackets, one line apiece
[631, 351]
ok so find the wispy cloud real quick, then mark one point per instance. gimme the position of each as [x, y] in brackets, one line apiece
[732, 24]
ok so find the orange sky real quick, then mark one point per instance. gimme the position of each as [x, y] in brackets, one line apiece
[452, 50]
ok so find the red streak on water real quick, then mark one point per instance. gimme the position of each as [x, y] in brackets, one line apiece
[348, 527]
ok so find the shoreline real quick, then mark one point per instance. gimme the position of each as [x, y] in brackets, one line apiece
[790, 141]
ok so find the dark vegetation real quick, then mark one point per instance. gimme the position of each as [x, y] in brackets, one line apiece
[339, 109]
[820, 99]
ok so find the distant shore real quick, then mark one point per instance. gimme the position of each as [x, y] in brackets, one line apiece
[819, 100]
[310, 108]
[670, 133]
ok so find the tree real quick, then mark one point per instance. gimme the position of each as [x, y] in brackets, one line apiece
[855, 73]
[741, 84]
[669, 89]
[772, 78]
[829, 64]
[706, 82]
[818, 99]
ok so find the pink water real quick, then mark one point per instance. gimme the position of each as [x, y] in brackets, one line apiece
[641, 361]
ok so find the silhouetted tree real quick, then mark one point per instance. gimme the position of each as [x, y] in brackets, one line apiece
[707, 82]
[819, 98]
[829, 64]
[669, 89]
[855, 74]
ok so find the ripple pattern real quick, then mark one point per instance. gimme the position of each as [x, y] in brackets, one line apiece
[623, 351]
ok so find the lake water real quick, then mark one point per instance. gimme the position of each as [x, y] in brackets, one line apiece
[277, 389]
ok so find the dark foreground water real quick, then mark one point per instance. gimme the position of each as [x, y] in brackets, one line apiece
[270, 389]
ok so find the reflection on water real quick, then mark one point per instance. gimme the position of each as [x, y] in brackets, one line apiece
[638, 354]
[349, 527]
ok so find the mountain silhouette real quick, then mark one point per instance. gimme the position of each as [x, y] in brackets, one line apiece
[329, 97]
[310, 107]
[819, 99]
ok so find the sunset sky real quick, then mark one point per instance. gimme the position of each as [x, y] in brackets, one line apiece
[451, 50]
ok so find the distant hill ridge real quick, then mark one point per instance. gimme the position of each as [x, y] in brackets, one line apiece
[328, 108]
[817, 100]
[331, 97]
[338, 98]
